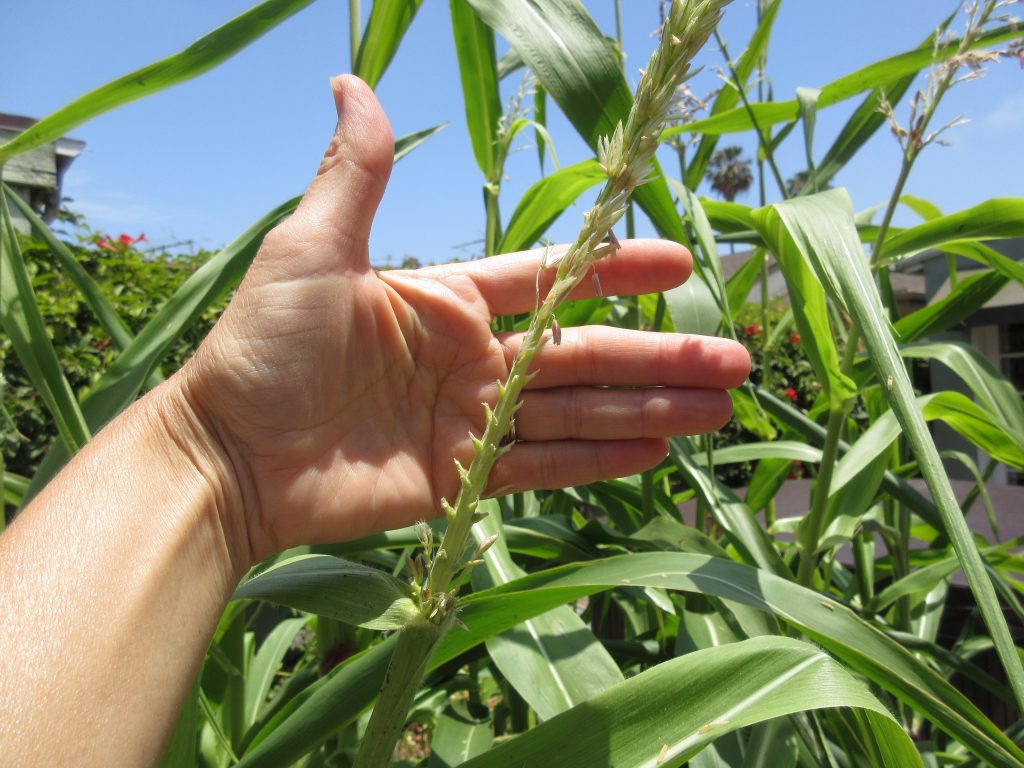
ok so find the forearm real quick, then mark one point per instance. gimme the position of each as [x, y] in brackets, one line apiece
[111, 583]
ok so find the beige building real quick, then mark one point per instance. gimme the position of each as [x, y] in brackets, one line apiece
[37, 175]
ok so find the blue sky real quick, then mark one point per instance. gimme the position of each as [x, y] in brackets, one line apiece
[203, 160]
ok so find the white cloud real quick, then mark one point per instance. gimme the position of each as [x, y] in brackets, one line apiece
[1009, 114]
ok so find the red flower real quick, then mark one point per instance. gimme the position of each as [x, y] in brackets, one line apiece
[127, 240]
[752, 330]
[791, 394]
[794, 338]
[106, 245]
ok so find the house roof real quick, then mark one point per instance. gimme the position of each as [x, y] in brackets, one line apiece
[909, 286]
[1011, 295]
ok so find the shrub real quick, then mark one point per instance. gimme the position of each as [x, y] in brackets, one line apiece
[136, 284]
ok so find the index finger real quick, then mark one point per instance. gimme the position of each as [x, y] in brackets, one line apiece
[508, 283]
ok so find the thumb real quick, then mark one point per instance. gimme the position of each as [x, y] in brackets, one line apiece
[341, 201]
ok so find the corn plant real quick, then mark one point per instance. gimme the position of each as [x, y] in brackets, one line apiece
[599, 625]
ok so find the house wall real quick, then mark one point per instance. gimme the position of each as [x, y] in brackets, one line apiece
[31, 174]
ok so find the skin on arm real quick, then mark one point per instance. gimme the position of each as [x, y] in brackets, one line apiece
[327, 403]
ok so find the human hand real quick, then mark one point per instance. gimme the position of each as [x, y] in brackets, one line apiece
[341, 395]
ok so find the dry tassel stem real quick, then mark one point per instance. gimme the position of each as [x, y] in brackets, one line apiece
[626, 157]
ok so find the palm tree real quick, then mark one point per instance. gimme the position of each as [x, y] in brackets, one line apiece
[800, 180]
[729, 173]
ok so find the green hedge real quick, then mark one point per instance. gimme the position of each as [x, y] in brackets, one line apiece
[136, 284]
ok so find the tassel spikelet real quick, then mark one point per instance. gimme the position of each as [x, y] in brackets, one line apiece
[626, 156]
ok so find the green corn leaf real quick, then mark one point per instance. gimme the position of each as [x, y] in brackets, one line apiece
[358, 594]
[550, 537]
[810, 311]
[807, 98]
[580, 69]
[540, 117]
[968, 296]
[738, 119]
[406, 144]
[984, 254]
[352, 686]
[729, 512]
[959, 412]
[389, 19]
[509, 63]
[463, 731]
[119, 386]
[765, 482]
[823, 225]
[927, 619]
[649, 720]
[316, 713]
[925, 579]
[895, 486]
[728, 217]
[708, 264]
[859, 128]
[181, 748]
[852, 500]
[666, 534]
[1000, 217]
[739, 286]
[547, 537]
[553, 660]
[296, 688]
[570, 56]
[853, 642]
[872, 76]
[956, 663]
[701, 626]
[920, 581]
[267, 663]
[980, 488]
[21, 320]
[545, 201]
[693, 308]
[782, 328]
[478, 69]
[94, 298]
[748, 412]
[201, 56]
[841, 528]
[14, 488]
[723, 752]
[923, 208]
[993, 390]
[778, 449]
[729, 97]
[770, 746]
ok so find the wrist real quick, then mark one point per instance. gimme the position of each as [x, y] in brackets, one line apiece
[199, 450]
[123, 563]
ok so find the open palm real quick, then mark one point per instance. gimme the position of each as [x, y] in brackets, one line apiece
[342, 395]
